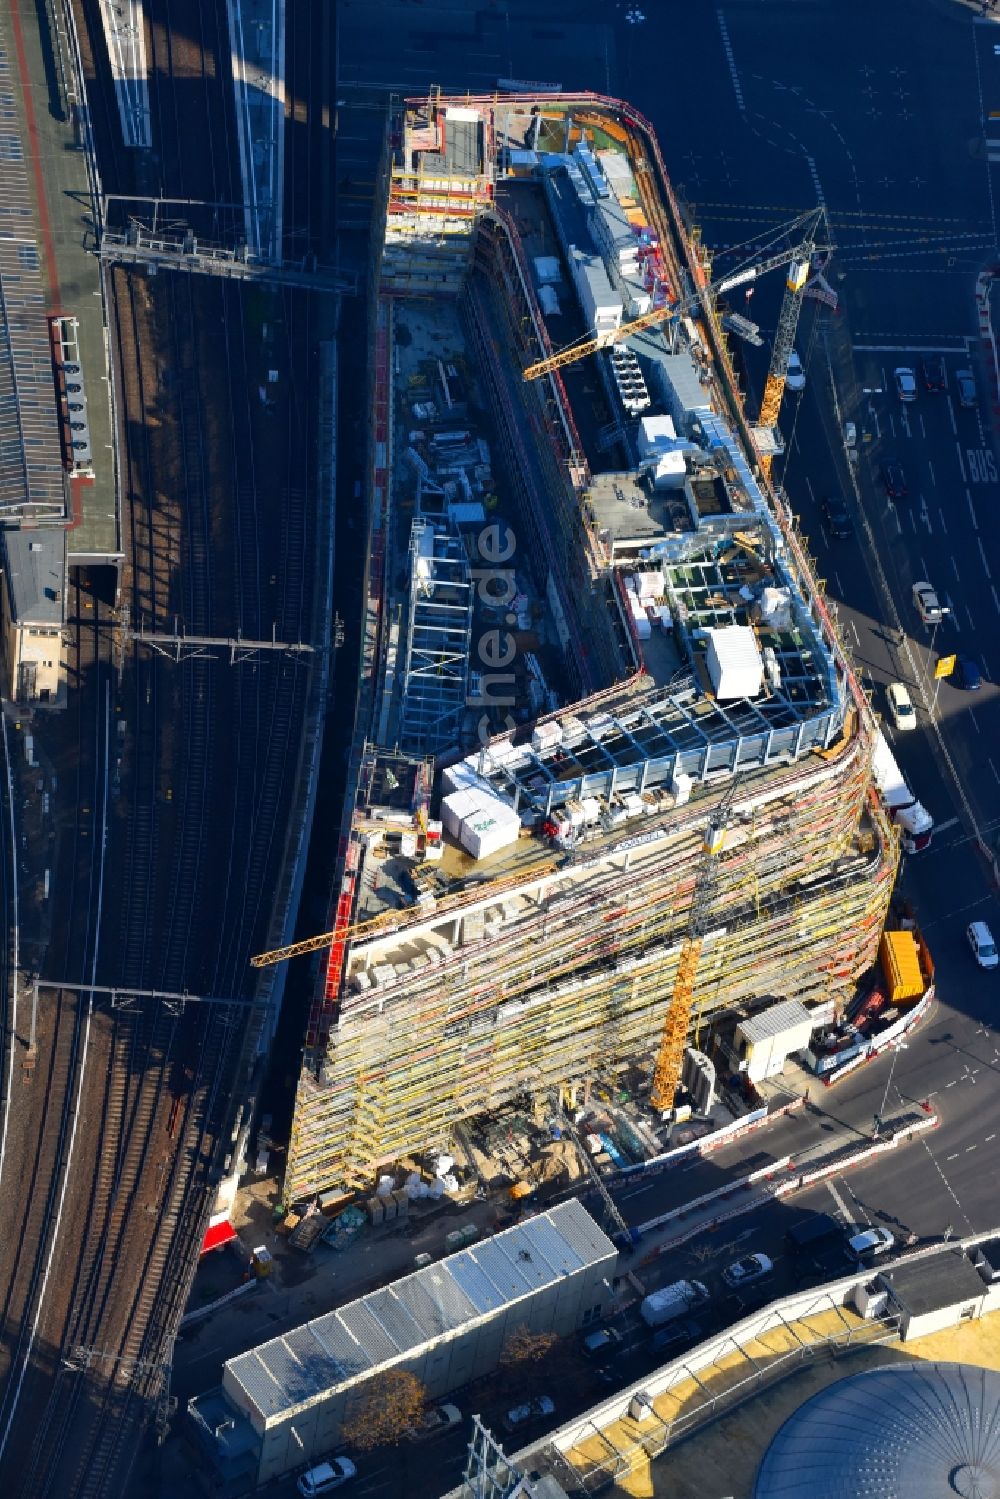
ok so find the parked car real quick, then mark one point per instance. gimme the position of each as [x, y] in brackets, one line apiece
[928, 605]
[325, 1477]
[934, 374]
[893, 480]
[900, 706]
[677, 1336]
[906, 384]
[433, 1423]
[745, 1271]
[872, 1241]
[837, 518]
[984, 949]
[795, 377]
[531, 1410]
[813, 1234]
[601, 1340]
[966, 383]
[966, 674]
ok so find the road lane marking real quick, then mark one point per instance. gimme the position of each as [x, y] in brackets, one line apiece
[982, 553]
[996, 775]
[975, 523]
[923, 429]
[931, 468]
[961, 463]
[944, 527]
[951, 414]
[996, 600]
[951, 1085]
[842, 1207]
[989, 1138]
[975, 722]
[972, 622]
[969, 1148]
[942, 827]
[958, 575]
[953, 1157]
[854, 632]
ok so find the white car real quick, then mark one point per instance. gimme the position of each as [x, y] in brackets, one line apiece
[795, 377]
[872, 1241]
[743, 1272]
[929, 606]
[531, 1410]
[906, 384]
[984, 949]
[900, 706]
[325, 1477]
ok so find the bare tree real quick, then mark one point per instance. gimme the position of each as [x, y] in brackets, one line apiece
[388, 1407]
[526, 1347]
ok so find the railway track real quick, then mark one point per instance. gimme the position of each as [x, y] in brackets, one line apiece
[195, 791]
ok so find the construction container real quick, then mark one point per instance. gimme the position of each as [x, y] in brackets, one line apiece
[469, 1232]
[734, 663]
[454, 1241]
[900, 958]
[375, 1209]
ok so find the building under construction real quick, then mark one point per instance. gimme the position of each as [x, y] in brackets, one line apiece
[612, 775]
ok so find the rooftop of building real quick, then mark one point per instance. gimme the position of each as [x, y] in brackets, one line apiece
[51, 264]
[686, 515]
[35, 564]
[935, 1281]
[304, 1365]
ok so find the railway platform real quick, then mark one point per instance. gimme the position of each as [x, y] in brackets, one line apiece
[53, 129]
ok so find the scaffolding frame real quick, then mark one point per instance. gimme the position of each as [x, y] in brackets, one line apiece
[438, 639]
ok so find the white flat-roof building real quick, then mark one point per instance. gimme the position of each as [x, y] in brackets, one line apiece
[283, 1403]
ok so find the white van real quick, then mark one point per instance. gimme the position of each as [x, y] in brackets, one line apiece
[325, 1477]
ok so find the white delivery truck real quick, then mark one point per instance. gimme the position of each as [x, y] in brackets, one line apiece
[914, 821]
[676, 1300]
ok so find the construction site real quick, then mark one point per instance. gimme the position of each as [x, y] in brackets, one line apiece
[612, 782]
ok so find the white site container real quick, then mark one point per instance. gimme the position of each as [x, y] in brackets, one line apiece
[458, 777]
[407, 845]
[548, 301]
[680, 787]
[547, 269]
[458, 805]
[546, 735]
[492, 827]
[670, 471]
[591, 810]
[643, 629]
[656, 434]
[734, 663]
[634, 805]
[650, 586]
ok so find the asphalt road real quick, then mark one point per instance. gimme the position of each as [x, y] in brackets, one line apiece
[878, 112]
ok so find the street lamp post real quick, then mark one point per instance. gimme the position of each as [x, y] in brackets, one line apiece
[897, 1048]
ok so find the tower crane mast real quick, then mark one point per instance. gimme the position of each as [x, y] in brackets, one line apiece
[804, 237]
[667, 1073]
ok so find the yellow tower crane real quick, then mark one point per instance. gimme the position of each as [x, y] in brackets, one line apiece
[804, 237]
[670, 1057]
